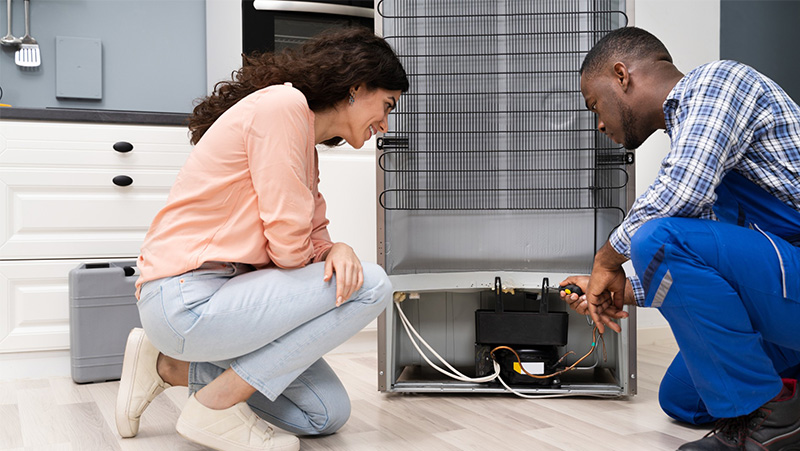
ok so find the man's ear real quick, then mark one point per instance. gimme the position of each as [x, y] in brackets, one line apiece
[621, 75]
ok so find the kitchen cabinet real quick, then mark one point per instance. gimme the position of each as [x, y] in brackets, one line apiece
[71, 193]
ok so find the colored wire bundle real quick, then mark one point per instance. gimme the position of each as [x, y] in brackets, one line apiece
[595, 335]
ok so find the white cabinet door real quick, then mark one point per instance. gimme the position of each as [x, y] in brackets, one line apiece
[58, 193]
[351, 205]
[34, 305]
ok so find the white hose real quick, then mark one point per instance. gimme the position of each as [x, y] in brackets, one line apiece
[458, 375]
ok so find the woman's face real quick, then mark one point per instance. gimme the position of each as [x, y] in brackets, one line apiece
[368, 114]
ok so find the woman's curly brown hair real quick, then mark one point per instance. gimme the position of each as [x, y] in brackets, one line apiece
[323, 69]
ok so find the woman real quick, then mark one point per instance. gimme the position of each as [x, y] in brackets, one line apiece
[238, 273]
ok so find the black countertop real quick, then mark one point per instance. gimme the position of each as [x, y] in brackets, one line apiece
[98, 116]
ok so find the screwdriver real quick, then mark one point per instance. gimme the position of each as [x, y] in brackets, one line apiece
[569, 289]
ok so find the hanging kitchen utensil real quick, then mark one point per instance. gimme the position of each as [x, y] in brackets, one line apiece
[8, 39]
[28, 53]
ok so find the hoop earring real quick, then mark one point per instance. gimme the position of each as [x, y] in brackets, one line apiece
[352, 100]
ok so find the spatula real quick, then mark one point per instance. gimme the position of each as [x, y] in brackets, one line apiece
[28, 53]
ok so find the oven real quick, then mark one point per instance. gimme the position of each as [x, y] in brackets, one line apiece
[273, 25]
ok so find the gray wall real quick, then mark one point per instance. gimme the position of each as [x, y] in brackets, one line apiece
[153, 53]
[764, 34]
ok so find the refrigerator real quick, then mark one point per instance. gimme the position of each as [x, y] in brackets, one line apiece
[493, 185]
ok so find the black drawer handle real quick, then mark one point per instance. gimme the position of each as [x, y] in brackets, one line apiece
[123, 147]
[122, 180]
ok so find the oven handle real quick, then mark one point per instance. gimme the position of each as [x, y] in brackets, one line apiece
[312, 7]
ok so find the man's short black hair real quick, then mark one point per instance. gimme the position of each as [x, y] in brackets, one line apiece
[628, 43]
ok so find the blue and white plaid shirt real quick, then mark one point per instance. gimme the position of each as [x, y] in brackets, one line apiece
[721, 116]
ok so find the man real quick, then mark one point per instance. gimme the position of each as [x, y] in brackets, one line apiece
[713, 240]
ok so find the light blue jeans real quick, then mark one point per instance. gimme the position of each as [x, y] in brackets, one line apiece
[272, 327]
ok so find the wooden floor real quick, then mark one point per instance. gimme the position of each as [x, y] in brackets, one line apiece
[56, 414]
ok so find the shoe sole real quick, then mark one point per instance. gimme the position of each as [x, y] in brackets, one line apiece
[212, 441]
[134, 343]
[188, 432]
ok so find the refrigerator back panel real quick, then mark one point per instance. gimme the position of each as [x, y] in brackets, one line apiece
[493, 161]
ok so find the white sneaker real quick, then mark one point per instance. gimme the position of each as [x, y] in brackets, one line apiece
[233, 429]
[139, 384]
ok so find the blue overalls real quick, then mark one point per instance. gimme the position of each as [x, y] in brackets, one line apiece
[730, 290]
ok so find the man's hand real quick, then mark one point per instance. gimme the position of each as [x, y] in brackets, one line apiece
[579, 303]
[575, 302]
[342, 260]
[606, 291]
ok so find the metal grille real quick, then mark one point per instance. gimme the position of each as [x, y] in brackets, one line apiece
[494, 118]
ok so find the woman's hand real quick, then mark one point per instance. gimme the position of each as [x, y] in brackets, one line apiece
[575, 302]
[342, 260]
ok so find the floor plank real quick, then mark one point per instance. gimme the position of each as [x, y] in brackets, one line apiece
[10, 428]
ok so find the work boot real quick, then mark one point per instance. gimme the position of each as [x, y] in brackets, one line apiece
[774, 426]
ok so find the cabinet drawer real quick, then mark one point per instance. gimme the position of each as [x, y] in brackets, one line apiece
[78, 213]
[60, 145]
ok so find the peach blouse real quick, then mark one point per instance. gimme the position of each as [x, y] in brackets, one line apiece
[248, 193]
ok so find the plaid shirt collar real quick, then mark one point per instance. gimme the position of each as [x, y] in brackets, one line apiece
[671, 104]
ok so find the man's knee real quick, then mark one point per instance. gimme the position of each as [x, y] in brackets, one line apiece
[651, 237]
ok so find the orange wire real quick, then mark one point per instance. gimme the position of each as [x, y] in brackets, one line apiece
[536, 376]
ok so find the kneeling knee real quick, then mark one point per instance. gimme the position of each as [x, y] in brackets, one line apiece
[333, 421]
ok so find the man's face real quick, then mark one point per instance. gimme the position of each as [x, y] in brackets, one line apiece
[615, 118]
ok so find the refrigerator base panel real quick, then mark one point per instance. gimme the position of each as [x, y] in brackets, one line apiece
[441, 308]
[417, 379]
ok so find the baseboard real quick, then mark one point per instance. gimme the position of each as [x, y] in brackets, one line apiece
[34, 365]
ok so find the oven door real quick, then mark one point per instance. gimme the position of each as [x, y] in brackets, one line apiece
[273, 25]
